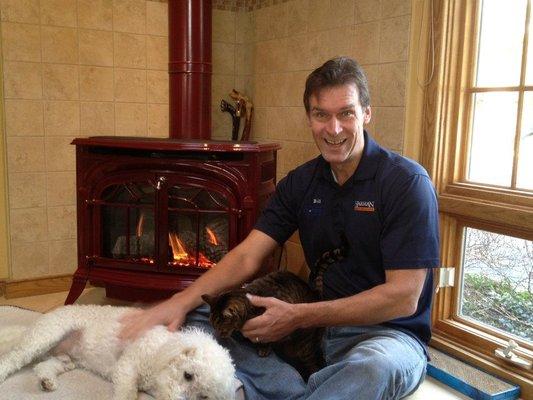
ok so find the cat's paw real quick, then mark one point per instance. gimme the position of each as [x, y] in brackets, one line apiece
[263, 351]
[49, 384]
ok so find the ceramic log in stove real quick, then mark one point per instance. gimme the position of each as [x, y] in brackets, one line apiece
[154, 214]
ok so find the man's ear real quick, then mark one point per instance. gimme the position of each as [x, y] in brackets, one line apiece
[367, 115]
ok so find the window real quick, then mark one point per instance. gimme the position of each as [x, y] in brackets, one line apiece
[497, 283]
[477, 144]
[501, 102]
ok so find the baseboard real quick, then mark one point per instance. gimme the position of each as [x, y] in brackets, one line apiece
[37, 286]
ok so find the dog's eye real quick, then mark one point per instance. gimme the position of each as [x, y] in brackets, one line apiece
[187, 376]
[203, 397]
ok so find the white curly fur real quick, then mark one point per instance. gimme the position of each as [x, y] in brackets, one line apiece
[184, 365]
[9, 336]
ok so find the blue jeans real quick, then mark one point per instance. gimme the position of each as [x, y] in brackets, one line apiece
[362, 363]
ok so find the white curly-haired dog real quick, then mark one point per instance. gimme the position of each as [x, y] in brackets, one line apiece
[184, 365]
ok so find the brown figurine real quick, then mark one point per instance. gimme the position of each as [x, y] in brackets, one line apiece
[244, 105]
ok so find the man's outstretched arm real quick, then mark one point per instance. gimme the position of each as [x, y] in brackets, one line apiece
[396, 298]
[235, 268]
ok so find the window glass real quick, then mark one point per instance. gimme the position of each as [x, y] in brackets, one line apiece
[128, 227]
[497, 282]
[493, 132]
[198, 226]
[529, 67]
[501, 43]
[524, 179]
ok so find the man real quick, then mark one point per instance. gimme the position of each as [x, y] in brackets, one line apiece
[383, 208]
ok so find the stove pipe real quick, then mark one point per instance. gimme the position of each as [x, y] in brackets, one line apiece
[189, 68]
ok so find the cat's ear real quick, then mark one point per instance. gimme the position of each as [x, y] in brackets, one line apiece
[209, 299]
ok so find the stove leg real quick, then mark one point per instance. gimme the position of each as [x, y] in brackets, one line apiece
[78, 284]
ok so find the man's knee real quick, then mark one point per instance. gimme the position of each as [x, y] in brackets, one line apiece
[374, 367]
[388, 374]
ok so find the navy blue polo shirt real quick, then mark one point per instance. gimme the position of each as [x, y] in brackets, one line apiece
[387, 212]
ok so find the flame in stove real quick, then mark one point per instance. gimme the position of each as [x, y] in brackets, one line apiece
[178, 251]
[211, 237]
[140, 224]
[183, 258]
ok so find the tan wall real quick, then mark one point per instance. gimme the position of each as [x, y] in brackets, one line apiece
[4, 248]
[288, 40]
[98, 67]
[71, 68]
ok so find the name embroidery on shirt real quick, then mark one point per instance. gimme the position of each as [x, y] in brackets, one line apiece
[364, 206]
[316, 208]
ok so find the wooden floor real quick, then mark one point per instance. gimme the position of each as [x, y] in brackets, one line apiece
[430, 389]
[48, 302]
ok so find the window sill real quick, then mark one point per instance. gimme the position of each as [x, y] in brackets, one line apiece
[452, 340]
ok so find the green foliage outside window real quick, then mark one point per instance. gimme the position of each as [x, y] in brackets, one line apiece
[498, 304]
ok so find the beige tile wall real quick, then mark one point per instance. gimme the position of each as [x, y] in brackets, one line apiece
[69, 70]
[223, 78]
[287, 41]
[72, 68]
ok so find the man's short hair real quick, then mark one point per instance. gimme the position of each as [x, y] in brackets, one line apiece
[335, 72]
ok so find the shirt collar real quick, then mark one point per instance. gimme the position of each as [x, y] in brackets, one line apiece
[367, 167]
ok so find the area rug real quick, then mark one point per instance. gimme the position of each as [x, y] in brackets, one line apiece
[78, 384]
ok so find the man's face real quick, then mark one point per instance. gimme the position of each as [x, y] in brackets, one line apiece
[336, 119]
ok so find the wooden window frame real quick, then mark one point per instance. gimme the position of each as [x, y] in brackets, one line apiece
[438, 119]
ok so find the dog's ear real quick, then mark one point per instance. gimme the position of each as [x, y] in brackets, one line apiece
[189, 352]
[209, 299]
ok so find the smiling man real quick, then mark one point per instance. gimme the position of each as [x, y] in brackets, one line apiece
[382, 209]
[336, 118]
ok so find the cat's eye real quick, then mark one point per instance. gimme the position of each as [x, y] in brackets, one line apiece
[187, 376]
[203, 397]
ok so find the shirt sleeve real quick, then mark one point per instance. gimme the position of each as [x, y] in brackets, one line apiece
[279, 219]
[410, 233]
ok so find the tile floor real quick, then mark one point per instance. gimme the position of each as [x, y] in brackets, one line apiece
[430, 389]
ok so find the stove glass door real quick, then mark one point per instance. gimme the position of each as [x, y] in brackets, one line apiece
[198, 226]
[128, 222]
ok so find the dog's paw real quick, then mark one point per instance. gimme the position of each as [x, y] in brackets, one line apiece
[48, 384]
[67, 362]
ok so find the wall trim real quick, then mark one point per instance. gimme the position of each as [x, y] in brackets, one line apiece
[243, 5]
[36, 286]
[4, 214]
[419, 57]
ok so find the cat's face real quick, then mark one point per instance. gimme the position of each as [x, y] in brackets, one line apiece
[229, 312]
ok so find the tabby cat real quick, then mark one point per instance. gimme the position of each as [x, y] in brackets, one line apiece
[302, 348]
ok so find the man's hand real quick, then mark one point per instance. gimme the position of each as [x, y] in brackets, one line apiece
[135, 323]
[277, 322]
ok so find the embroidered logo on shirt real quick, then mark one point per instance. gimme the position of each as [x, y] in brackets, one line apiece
[316, 208]
[364, 206]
